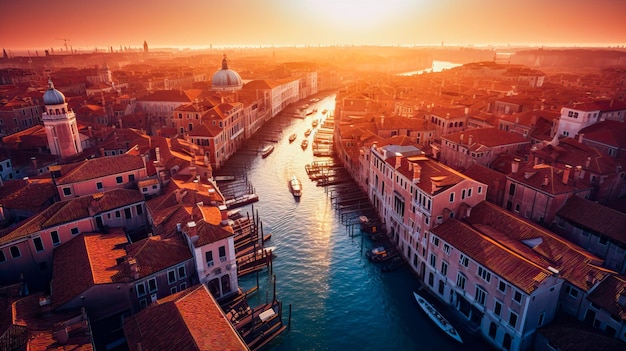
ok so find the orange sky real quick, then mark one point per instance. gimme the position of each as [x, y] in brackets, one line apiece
[39, 24]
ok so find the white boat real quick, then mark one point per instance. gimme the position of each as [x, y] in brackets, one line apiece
[292, 137]
[296, 186]
[436, 317]
[304, 144]
[268, 150]
[307, 132]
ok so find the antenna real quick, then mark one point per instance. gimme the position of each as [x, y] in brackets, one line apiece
[65, 42]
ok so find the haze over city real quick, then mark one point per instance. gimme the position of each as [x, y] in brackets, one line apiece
[85, 25]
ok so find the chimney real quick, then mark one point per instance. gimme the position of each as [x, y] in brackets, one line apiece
[580, 137]
[179, 196]
[461, 138]
[119, 121]
[566, 173]
[398, 160]
[134, 272]
[90, 131]
[417, 173]
[193, 231]
[588, 162]
[578, 172]
[536, 162]
[34, 161]
[469, 140]
[157, 150]
[546, 180]
[515, 165]
[101, 152]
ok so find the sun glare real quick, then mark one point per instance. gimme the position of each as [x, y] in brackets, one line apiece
[357, 14]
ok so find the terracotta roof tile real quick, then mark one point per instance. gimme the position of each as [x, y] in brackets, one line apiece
[85, 261]
[99, 167]
[490, 137]
[595, 217]
[187, 321]
[610, 294]
[154, 254]
[576, 265]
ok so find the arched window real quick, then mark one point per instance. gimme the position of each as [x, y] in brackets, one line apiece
[506, 343]
[214, 287]
[493, 328]
[226, 288]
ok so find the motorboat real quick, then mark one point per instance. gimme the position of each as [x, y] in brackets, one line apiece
[292, 137]
[436, 317]
[296, 186]
[304, 144]
[307, 132]
[314, 123]
[381, 254]
[267, 150]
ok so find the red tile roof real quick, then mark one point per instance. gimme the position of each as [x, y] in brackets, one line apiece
[155, 254]
[490, 137]
[98, 167]
[26, 195]
[611, 133]
[506, 263]
[595, 217]
[188, 321]
[576, 265]
[86, 260]
[610, 294]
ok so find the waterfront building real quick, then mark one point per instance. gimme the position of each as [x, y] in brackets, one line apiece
[413, 193]
[277, 94]
[64, 140]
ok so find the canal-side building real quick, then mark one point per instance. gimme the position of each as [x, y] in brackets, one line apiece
[509, 276]
[277, 93]
[413, 193]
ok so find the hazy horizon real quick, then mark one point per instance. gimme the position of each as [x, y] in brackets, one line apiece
[201, 24]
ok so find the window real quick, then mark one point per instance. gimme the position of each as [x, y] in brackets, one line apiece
[444, 268]
[74, 230]
[171, 276]
[463, 194]
[3, 258]
[118, 214]
[451, 197]
[434, 240]
[118, 179]
[152, 285]
[222, 253]
[99, 185]
[38, 244]
[573, 292]
[480, 189]
[517, 208]
[502, 286]
[497, 308]
[127, 213]
[513, 319]
[139, 209]
[131, 177]
[181, 272]
[173, 290]
[441, 287]
[517, 296]
[67, 191]
[446, 249]
[183, 286]
[433, 260]
[209, 258]
[460, 281]
[141, 289]
[464, 261]
[54, 235]
[541, 317]
[483, 273]
[512, 189]
[481, 295]
[15, 252]
[469, 192]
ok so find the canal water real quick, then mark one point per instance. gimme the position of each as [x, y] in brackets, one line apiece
[339, 300]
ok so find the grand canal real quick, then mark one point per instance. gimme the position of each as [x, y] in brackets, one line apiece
[339, 300]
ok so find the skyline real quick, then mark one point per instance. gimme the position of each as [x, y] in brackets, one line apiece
[205, 23]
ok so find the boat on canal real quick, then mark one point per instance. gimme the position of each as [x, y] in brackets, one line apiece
[292, 137]
[268, 150]
[381, 254]
[304, 144]
[436, 317]
[314, 123]
[296, 186]
[324, 111]
[307, 132]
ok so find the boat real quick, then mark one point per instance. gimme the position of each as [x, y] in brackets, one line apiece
[267, 237]
[394, 263]
[324, 111]
[292, 137]
[436, 317]
[304, 144]
[381, 254]
[296, 186]
[307, 132]
[314, 123]
[267, 150]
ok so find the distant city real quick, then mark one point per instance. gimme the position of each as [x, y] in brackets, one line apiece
[496, 175]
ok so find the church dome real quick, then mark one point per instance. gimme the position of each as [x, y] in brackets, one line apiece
[53, 96]
[226, 78]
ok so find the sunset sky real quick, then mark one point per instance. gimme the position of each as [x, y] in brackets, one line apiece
[39, 24]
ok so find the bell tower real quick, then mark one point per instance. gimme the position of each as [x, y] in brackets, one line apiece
[60, 124]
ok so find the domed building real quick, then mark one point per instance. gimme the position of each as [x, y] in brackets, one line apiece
[226, 79]
[60, 124]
